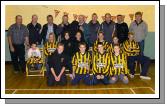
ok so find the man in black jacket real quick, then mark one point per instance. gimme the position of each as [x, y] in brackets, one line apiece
[64, 27]
[34, 29]
[49, 28]
[122, 29]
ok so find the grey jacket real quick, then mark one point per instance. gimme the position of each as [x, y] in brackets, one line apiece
[140, 30]
[108, 29]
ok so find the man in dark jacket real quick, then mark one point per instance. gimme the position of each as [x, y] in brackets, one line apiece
[49, 28]
[34, 29]
[64, 26]
[108, 28]
[80, 25]
[122, 29]
[93, 27]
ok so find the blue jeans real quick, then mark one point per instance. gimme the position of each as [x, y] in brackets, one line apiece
[36, 66]
[95, 81]
[79, 77]
[141, 45]
[121, 77]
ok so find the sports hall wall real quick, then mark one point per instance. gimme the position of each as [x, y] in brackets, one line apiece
[43, 10]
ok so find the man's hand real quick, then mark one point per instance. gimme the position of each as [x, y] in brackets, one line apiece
[81, 28]
[12, 49]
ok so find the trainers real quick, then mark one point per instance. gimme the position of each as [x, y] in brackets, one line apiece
[16, 72]
[145, 77]
[132, 76]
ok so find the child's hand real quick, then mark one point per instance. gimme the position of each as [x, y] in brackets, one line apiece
[73, 75]
[102, 76]
[98, 77]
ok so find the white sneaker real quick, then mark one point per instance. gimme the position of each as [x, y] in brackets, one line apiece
[132, 76]
[145, 77]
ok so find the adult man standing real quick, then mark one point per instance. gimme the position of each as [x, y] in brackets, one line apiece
[93, 27]
[49, 28]
[82, 26]
[34, 30]
[140, 30]
[122, 29]
[17, 36]
[108, 28]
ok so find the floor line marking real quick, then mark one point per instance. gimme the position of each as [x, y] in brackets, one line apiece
[83, 89]
[139, 87]
[152, 89]
[132, 90]
[14, 91]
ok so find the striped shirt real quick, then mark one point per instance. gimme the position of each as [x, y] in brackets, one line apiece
[131, 48]
[81, 62]
[106, 46]
[118, 64]
[32, 60]
[112, 48]
[49, 48]
[101, 63]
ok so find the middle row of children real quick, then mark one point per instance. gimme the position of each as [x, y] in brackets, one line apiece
[107, 62]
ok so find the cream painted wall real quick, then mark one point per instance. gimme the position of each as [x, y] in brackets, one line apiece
[42, 11]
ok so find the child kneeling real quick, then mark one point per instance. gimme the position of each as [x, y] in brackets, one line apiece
[119, 66]
[101, 65]
[81, 66]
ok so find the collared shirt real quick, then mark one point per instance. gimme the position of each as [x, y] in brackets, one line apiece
[50, 30]
[18, 33]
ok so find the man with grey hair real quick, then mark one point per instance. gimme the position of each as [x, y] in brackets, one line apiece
[17, 36]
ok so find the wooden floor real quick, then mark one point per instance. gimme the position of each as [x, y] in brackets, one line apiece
[20, 84]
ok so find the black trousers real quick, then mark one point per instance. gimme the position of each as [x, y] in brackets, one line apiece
[18, 57]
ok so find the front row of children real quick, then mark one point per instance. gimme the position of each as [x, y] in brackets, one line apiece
[107, 66]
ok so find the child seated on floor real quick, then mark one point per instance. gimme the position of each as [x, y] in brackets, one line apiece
[34, 58]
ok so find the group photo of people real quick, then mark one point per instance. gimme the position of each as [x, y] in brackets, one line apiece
[81, 52]
[109, 49]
